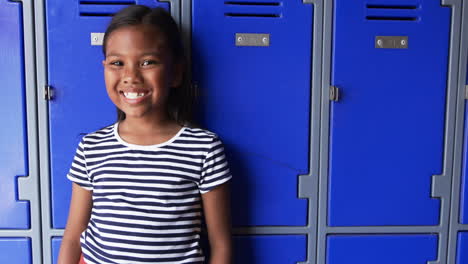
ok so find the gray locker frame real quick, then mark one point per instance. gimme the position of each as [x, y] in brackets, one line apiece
[28, 185]
[43, 126]
[312, 186]
[455, 226]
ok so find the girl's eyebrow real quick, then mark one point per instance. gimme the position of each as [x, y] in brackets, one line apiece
[153, 53]
[113, 55]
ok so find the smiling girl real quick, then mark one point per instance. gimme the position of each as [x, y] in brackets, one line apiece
[142, 186]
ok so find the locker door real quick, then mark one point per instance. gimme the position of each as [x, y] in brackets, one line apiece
[387, 130]
[382, 249]
[80, 103]
[462, 249]
[464, 180]
[269, 249]
[14, 214]
[15, 250]
[255, 93]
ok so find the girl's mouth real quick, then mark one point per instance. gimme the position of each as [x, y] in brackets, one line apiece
[133, 97]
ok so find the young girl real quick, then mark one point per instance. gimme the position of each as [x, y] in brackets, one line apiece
[139, 184]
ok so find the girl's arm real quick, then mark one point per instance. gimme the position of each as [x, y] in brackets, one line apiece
[216, 208]
[78, 218]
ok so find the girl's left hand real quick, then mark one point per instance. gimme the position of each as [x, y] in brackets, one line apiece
[217, 212]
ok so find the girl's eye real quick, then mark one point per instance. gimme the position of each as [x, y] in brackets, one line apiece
[148, 62]
[116, 63]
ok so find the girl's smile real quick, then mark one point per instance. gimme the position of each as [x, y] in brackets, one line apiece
[134, 97]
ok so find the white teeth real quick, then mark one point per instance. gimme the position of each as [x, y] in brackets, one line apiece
[133, 95]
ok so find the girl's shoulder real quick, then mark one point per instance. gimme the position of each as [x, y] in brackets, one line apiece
[200, 133]
[101, 134]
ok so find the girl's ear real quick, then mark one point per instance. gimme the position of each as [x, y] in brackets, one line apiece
[177, 74]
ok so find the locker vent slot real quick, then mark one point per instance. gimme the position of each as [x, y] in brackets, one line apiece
[107, 2]
[262, 9]
[250, 15]
[253, 3]
[102, 8]
[392, 7]
[391, 18]
[391, 12]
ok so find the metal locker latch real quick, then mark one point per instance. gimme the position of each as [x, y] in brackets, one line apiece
[334, 93]
[48, 92]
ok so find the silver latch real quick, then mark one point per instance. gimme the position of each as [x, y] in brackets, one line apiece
[48, 92]
[466, 91]
[334, 93]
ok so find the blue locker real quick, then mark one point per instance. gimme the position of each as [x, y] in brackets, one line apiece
[387, 129]
[266, 249]
[258, 100]
[56, 241]
[14, 214]
[462, 249]
[464, 180]
[382, 249]
[15, 250]
[80, 103]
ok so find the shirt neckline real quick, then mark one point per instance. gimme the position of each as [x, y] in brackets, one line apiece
[145, 147]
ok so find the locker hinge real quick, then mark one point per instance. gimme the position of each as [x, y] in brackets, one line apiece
[334, 93]
[466, 91]
[48, 92]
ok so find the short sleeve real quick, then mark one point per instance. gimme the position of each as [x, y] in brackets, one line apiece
[215, 170]
[78, 172]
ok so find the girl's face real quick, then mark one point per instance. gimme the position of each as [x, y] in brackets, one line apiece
[139, 71]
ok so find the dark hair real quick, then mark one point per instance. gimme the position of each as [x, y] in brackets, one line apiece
[181, 99]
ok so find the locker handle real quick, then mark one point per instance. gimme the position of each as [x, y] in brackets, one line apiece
[334, 93]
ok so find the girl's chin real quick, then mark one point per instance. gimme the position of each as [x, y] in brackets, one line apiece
[140, 113]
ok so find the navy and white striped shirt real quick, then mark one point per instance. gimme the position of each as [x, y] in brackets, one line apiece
[146, 199]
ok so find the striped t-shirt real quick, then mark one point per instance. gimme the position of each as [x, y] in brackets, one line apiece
[146, 199]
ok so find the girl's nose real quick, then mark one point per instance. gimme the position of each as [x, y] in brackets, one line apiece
[131, 75]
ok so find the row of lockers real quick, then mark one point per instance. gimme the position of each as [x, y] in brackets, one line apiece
[386, 133]
[365, 249]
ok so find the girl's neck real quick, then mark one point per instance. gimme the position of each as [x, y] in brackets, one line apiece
[145, 124]
[141, 131]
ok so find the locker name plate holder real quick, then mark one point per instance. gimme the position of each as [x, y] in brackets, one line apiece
[391, 42]
[252, 40]
[97, 39]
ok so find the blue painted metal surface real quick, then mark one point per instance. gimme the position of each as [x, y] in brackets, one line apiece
[80, 103]
[13, 142]
[269, 249]
[258, 100]
[15, 250]
[464, 181]
[56, 241]
[387, 130]
[462, 249]
[382, 249]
